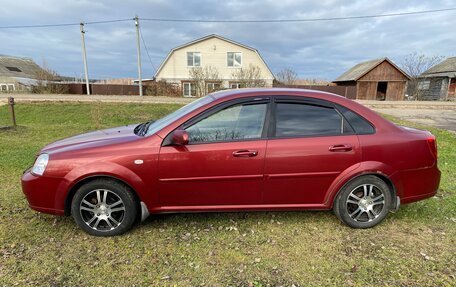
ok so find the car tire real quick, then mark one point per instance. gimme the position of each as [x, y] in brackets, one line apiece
[104, 207]
[363, 202]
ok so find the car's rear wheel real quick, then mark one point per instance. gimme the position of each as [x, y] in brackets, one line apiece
[104, 207]
[364, 202]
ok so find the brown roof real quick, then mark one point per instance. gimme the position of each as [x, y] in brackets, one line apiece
[359, 70]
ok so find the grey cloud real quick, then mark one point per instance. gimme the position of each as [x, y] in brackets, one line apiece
[313, 49]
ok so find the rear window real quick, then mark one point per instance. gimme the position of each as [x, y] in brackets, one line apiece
[359, 124]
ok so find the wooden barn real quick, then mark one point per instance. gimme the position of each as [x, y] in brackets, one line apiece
[439, 82]
[378, 79]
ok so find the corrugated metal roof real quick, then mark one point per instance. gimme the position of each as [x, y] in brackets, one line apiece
[448, 65]
[18, 67]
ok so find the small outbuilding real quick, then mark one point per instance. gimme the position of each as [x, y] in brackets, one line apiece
[439, 82]
[378, 79]
[18, 73]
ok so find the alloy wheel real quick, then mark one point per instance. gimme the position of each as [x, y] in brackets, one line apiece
[365, 203]
[102, 210]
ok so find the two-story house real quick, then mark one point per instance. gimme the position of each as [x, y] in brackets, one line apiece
[219, 55]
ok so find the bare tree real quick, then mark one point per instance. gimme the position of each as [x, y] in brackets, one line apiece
[287, 76]
[201, 76]
[249, 77]
[46, 81]
[414, 64]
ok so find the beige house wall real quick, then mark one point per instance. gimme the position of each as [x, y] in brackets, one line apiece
[213, 53]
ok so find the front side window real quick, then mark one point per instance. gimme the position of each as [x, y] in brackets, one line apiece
[193, 59]
[237, 122]
[234, 59]
[299, 119]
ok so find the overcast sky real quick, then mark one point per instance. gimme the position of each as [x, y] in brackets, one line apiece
[320, 50]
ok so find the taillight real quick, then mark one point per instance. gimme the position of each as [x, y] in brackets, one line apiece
[432, 142]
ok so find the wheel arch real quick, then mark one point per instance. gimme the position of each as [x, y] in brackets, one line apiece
[381, 176]
[72, 191]
[378, 169]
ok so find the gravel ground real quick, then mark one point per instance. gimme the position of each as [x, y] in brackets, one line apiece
[440, 118]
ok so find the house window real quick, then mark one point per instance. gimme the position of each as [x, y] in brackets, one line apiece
[234, 59]
[424, 85]
[189, 89]
[211, 87]
[7, 87]
[193, 59]
[235, 85]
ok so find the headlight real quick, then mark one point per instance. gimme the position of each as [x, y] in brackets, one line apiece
[40, 164]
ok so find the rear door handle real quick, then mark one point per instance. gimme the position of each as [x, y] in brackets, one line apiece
[340, 148]
[245, 153]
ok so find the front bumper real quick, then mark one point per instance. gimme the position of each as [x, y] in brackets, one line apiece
[42, 193]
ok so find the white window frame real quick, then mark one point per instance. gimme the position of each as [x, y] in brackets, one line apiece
[213, 86]
[11, 87]
[235, 85]
[190, 84]
[234, 62]
[193, 59]
[424, 84]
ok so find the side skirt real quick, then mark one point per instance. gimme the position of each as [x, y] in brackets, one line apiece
[234, 208]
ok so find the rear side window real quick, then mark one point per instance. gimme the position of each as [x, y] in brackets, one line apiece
[300, 119]
[359, 124]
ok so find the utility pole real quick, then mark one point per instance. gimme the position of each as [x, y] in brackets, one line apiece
[84, 56]
[138, 45]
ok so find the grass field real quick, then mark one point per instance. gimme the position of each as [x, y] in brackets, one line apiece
[415, 246]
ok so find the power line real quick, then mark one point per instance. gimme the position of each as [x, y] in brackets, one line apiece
[147, 50]
[298, 20]
[234, 21]
[65, 24]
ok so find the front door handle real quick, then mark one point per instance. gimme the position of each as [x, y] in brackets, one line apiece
[340, 148]
[245, 153]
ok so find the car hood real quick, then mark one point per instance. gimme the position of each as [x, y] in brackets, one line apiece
[94, 139]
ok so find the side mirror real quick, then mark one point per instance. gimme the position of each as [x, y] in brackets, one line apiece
[180, 137]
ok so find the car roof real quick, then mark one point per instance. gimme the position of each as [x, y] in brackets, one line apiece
[270, 91]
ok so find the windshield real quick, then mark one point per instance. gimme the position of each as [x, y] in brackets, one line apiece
[163, 122]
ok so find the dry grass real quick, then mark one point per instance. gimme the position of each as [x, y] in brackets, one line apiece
[414, 247]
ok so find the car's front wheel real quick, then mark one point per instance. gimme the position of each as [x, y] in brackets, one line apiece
[364, 202]
[104, 207]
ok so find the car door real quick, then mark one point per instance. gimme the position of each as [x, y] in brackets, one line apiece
[224, 160]
[310, 144]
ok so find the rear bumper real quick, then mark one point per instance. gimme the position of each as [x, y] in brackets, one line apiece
[419, 184]
[41, 193]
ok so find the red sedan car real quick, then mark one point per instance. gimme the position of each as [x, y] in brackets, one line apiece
[247, 149]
